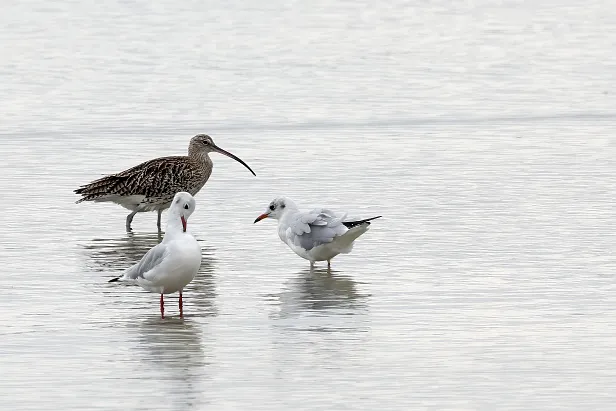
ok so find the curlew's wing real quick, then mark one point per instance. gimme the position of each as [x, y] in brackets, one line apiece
[153, 178]
[311, 229]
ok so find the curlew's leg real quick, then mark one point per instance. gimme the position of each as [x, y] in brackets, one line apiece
[311, 265]
[329, 264]
[162, 307]
[181, 306]
[129, 220]
[160, 212]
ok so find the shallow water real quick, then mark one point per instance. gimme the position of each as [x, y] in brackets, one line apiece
[483, 133]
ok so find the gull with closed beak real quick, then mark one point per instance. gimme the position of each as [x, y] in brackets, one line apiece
[173, 263]
[317, 235]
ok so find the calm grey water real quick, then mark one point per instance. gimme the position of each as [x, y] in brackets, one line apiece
[483, 132]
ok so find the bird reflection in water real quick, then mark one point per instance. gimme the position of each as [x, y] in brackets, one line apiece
[175, 348]
[111, 256]
[320, 290]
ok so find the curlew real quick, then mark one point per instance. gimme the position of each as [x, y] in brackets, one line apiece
[317, 235]
[151, 185]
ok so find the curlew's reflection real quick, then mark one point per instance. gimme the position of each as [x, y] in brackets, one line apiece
[315, 290]
[111, 256]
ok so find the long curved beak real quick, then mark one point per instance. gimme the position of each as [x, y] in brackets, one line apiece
[226, 153]
[261, 217]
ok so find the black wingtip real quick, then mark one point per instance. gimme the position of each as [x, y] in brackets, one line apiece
[113, 280]
[350, 224]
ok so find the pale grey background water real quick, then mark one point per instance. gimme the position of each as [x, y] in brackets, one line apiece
[482, 131]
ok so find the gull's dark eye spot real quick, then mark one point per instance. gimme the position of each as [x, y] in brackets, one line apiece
[282, 205]
[272, 207]
[186, 206]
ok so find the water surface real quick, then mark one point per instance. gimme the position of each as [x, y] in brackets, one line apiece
[482, 132]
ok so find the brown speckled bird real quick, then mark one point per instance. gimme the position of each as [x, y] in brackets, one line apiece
[150, 186]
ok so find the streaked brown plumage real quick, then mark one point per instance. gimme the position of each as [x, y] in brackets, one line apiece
[150, 186]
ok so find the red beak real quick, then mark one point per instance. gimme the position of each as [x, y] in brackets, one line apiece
[183, 223]
[261, 217]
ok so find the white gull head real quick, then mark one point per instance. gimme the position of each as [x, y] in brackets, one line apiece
[277, 208]
[182, 207]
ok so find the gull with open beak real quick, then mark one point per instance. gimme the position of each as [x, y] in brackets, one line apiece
[317, 235]
[173, 263]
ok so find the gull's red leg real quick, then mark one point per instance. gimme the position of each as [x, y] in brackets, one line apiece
[181, 306]
[162, 307]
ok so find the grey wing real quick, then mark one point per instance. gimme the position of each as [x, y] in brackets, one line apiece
[149, 261]
[317, 227]
[329, 213]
